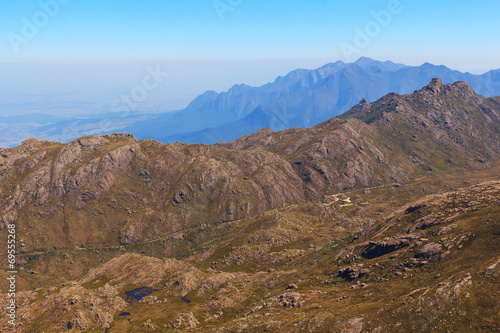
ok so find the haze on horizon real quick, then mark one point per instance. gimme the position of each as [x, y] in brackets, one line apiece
[91, 52]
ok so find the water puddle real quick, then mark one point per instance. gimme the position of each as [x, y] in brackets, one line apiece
[138, 294]
[123, 314]
[185, 300]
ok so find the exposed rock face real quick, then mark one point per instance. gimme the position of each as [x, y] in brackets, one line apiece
[464, 89]
[377, 249]
[430, 251]
[354, 325]
[435, 86]
[212, 282]
[132, 232]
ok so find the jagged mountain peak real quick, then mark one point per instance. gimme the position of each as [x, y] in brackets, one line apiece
[459, 88]
[433, 101]
[434, 86]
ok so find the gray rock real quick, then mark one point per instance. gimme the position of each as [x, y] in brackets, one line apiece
[429, 251]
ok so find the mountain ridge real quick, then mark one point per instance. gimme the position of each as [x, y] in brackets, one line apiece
[436, 127]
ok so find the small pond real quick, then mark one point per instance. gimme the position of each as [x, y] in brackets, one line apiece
[138, 294]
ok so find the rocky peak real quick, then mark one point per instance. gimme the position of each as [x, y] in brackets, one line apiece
[31, 142]
[363, 104]
[253, 138]
[91, 141]
[463, 89]
[119, 135]
[434, 86]
[263, 132]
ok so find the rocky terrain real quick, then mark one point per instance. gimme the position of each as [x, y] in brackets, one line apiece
[384, 219]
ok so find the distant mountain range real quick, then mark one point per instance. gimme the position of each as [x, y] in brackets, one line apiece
[302, 98]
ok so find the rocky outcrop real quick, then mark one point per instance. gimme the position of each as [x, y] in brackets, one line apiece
[70, 307]
[434, 86]
[132, 232]
[431, 251]
[353, 272]
[377, 249]
[290, 299]
[183, 321]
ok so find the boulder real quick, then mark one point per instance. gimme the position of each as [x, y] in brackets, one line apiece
[353, 272]
[430, 251]
[377, 249]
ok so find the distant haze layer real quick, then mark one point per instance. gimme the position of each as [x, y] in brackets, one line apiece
[141, 100]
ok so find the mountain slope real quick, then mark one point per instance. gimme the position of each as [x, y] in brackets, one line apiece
[117, 190]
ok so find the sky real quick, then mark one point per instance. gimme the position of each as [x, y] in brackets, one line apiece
[62, 50]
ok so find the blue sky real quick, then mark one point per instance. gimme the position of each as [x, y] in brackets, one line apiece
[252, 41]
